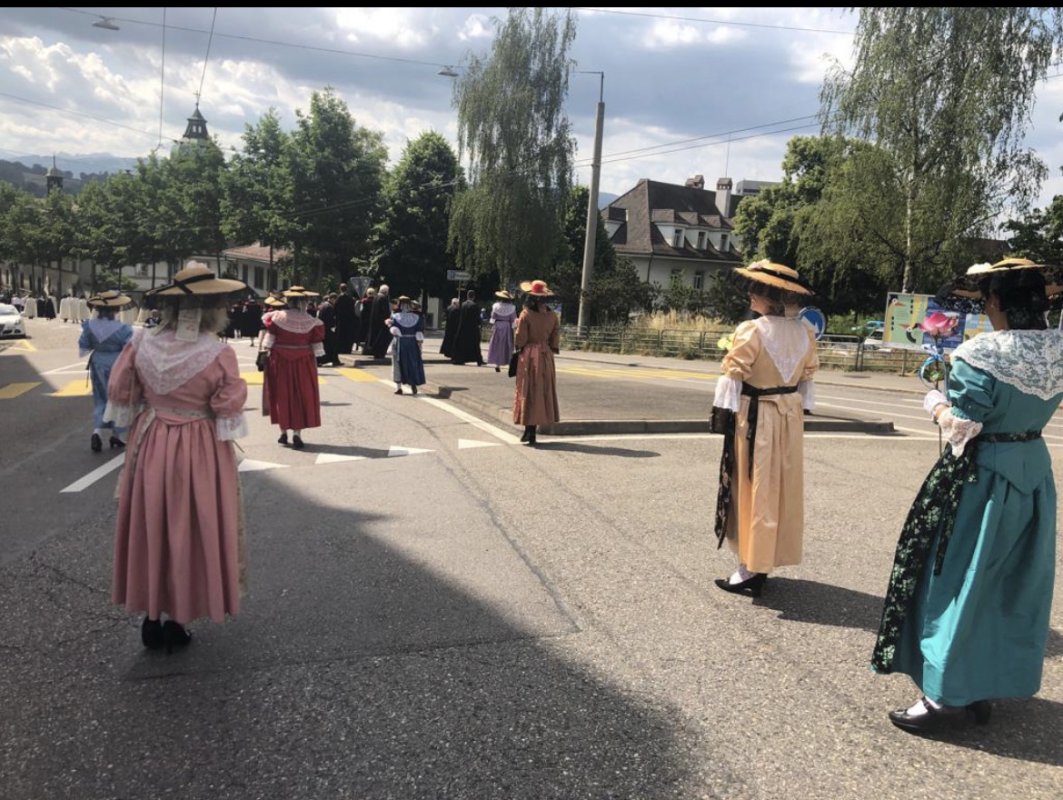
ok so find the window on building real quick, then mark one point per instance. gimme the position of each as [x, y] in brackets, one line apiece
[243, 273]
[260, 276]
[273, 280]
[677, 238]
[723, 242]
[699, 280]
[677, 276]
[701, 240]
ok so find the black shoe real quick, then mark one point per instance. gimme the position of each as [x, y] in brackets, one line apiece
[96, 443]
[527, 432]
[151, 633]
[399, 390]
[297, 442]
[498, 369]
[945, 717]
[283, 439]
[414, 388]
[530, 441]
[116, 443]
[750, 586]
[174, 635]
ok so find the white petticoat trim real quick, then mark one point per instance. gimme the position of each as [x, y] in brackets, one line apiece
[728, 393]
[229, 428]
[787, 342]
[1028, 360]
[807, 390]
[121, 416]
[958, 431]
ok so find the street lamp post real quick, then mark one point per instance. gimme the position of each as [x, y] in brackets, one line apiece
[592, 209]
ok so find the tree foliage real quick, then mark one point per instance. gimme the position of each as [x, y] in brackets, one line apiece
[947, 93]
[513, 129]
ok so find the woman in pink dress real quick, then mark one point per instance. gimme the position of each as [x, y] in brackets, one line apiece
[294, 340]
[179, 535]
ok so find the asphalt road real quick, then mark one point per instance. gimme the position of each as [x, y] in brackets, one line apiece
[438, 612]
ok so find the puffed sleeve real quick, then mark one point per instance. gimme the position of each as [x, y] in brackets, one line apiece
[420, 328]
[124, 391]
[971, 397]
[268, 325]
[520, 338]
[737, 366]
[317, 338]
[85, 340]
[805, 386]
[228, 399]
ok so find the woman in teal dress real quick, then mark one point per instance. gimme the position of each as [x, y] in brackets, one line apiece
[102, 339]
[967, 608]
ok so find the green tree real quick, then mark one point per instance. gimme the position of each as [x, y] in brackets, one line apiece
[56, 231]
[194, 173]
[614, 295]
[514, 131]
[1039, 235]
[566, 274]
[947, 92]
[338, 171]
[410, 243]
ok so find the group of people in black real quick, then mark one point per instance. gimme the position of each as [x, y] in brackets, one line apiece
[461, 339]
[245, 320]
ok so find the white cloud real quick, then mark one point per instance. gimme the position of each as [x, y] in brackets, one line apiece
[386, 25]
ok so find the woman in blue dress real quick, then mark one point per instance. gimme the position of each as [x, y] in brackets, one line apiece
[407, 364]
[967, 609]
[102, 339]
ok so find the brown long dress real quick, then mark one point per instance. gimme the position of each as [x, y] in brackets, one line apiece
[538, 335]
[766, 521]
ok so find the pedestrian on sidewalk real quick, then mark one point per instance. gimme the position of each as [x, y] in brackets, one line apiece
[407, 330]
[290, 393]
[503, 317]
[967, 609]
[467, 341]
[450, 332]
[102, 339]
[378, 332]
[538, 339]
[179, 543]
[760, 397]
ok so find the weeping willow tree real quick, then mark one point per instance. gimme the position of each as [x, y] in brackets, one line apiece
[513, 131]
[947, 93]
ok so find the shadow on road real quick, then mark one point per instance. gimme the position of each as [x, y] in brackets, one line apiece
[596, 450]
[821, 603]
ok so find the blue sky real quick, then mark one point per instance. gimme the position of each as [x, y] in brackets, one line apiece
[710, 91]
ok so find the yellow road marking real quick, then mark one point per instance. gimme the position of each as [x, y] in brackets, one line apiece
[356, 374]
[255, 378]
[79, 387]
[23, 344]
[13, 390]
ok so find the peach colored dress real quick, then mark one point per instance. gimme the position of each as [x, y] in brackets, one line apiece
[178, 546]
[535, 397]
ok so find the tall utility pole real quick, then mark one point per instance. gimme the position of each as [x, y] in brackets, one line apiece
[592, 208]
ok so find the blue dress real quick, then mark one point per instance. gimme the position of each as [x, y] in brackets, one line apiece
[967, 615]
[407, 364]
[104, 339]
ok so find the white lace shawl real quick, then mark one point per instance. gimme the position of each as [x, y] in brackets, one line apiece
[294, 321]
[166, 363]
[1031, 361]
[786, 341]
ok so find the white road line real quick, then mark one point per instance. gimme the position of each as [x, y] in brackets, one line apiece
[77, 366]
[464, 416]
[95, 475]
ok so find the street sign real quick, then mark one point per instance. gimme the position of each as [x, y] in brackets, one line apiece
[815, 319]
[457, 275]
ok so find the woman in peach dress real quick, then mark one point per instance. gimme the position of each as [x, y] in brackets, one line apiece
[179, 534]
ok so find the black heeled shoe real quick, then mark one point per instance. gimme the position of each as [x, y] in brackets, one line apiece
[174, 635]
[283, 438]
[750, 586]
[945, 717]
[297, 442]
[151, 634]
[524, 436]
[116, 443]
[96, 443]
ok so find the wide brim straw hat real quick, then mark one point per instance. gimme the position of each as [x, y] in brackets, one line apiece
[198, 279]
[536, 289]
[778, 276]
[274, 302]
[109, 299]
[968, 285]
[503, 295]
[299, 291]
[404, 299]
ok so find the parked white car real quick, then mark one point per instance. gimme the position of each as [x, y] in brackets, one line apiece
[11, 322]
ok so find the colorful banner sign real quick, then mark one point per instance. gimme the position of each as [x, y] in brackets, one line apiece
[904, 312]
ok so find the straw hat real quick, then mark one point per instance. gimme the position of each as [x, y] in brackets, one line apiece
[779, 276]
[109, 299]
[967, 285]
[198, 279]
[404, 299]
[536, 288]
[299, 291]
[274, 302]
[504, 295]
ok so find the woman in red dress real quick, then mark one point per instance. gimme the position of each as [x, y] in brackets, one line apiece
[294, 341]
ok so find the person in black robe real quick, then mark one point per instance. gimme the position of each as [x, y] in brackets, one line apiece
[364, 310]
[450, 330]
[326, 312]
[378, 337]
[346, 320]
[467, 341]
[251, 323]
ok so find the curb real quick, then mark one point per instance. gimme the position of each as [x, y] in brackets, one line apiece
[590, 427]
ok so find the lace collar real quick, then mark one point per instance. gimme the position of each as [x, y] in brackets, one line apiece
[786, 341]
[165, 363]
[294, 321]
[1031, 361]
[104, 329]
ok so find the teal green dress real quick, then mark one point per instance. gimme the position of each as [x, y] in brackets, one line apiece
[967, 610]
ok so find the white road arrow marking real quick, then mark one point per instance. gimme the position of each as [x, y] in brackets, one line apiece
[406, 451]
[250, 465]
[469, 444]
[331, 458]
[95, 475]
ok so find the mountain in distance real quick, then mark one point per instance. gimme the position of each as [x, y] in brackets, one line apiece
[90, 164]
[605, 198]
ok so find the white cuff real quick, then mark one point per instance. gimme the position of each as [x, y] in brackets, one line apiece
[268, 341]
[229, 428]
[728, 393]
[121, 416]
[396, 332]
[958, 431]
[83, 353]
[319, 349]
[807, 390]
[933, 399]
[420, 336]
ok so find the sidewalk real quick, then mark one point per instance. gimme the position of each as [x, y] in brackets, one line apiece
[604, 393]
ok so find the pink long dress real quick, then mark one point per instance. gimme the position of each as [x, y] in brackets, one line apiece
[290, 392]
[178, 546]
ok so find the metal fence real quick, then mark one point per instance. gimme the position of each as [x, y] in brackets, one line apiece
[835, 351]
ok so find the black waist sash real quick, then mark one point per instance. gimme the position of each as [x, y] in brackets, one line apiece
[933, 511]
[754, 395]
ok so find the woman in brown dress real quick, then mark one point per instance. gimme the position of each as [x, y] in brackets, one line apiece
[537, 339]
[765, 388]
